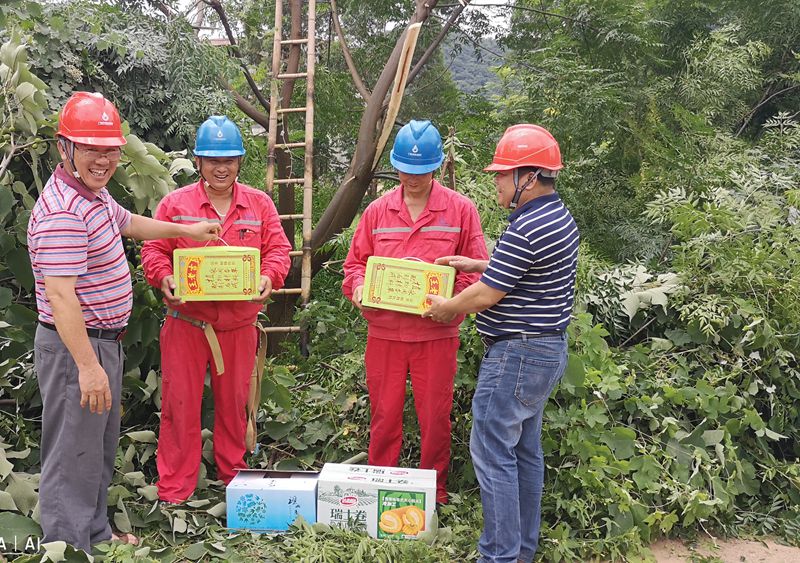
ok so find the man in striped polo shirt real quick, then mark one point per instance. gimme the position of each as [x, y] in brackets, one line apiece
[523, 300]
[84, 298]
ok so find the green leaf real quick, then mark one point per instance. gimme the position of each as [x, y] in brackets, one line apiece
[575, 373]
[145, 436]
[150, 492]
[135, 478]
[181, 165]
[218, 510]
[195, 551]
[621, 440]
[25, 496]
[122, 521]
[15, 525]
[6, 202]
[6, 467]
[278, 430]
[19, 315]
[19, 263]
[7, 502]
[713, 437]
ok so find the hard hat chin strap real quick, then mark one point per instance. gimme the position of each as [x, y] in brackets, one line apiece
[519, 189]
[69, 148]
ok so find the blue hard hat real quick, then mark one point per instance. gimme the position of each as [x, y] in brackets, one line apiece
[218, 136]
[417, 148]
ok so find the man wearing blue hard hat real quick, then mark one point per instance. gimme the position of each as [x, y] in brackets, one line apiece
[424, 220]
[219, 334]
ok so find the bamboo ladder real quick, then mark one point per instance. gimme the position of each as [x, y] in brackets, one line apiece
[276, 114]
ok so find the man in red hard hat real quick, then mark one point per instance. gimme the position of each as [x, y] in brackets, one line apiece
[523, 299]
[84, 298]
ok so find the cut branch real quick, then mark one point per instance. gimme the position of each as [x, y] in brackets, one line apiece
[359, 84]
[347, 199]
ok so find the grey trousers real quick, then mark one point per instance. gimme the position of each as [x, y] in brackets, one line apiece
[78, 447]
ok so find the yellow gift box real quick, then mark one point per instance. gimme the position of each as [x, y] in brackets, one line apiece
[403, 285]
[217, 273]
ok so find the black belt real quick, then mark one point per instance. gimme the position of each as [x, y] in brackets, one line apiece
[115, 334]
[489, 340]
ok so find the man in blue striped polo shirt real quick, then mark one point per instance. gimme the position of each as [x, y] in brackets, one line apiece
[523, 300]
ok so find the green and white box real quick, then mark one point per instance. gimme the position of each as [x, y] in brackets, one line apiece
[385, 502]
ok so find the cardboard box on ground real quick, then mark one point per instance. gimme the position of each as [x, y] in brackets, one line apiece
[270, 501]
[385, 502]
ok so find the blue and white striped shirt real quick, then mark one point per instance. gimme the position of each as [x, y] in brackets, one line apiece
[534, 262]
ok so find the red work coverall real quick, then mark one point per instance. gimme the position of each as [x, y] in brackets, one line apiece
[252, 220]
[401, 343]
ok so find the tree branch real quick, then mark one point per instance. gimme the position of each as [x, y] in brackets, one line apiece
[359, 84]
[436, 42]
[247, 108]
[534, 10]
[345, 202]
[223, 18]
[761, 104]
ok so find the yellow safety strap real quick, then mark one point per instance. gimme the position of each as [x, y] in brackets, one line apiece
[211, 336]
[254, 398]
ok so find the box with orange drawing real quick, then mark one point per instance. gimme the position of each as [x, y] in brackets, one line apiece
[386, 502]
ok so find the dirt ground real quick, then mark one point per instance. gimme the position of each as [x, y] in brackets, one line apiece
[725, 551]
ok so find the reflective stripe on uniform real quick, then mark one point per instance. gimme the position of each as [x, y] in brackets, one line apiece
[441, 229]
[392, 230]
[194, 219]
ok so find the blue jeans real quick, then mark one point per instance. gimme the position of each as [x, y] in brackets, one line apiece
[514, 382]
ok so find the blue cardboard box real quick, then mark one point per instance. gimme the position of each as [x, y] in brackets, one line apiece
[270, 501]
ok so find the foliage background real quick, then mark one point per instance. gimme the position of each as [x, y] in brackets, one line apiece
[678, 413]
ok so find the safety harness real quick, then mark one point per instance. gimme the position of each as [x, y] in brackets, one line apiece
[254, 398]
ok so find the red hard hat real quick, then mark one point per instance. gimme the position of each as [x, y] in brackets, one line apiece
[526, 145]
[90, 119]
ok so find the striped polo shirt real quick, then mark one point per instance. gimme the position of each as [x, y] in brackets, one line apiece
[534, 263]
[76, 232]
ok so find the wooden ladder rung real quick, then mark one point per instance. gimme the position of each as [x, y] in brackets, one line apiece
[287, 291]
[294, 41]
[290, 145]
[292, 75]
[292, 110]
[288, 180]
[282, 329]
[290, 216]
[293, 253]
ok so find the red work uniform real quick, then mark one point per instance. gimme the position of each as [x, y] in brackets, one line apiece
[400, 343]
[252, 220]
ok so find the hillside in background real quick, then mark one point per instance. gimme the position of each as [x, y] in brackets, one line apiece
[471, 66]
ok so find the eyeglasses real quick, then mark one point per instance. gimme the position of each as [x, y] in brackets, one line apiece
[111, 153]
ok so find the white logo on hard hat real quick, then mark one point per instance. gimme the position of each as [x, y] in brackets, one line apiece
[220, 134]
[415, 150]
[105, 120]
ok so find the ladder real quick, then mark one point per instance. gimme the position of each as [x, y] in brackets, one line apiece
[278, 110]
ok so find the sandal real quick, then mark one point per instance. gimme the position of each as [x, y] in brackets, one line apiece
[124, 538]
